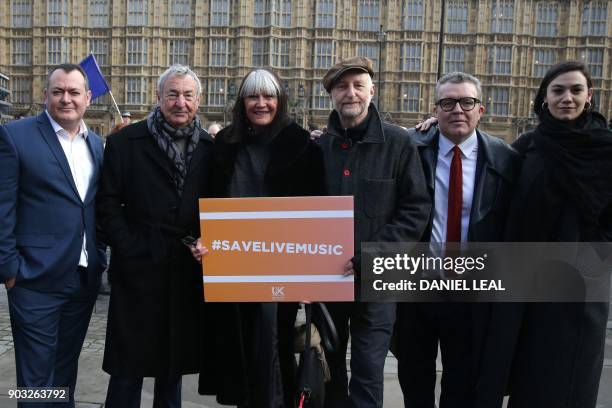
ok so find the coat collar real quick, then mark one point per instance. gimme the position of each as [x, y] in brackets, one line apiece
[489, 170]
[492, 169]
[286, 147]
[428, 146]
[140, 131]
[374, 134]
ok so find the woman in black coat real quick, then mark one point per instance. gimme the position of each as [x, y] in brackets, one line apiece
[564, 194]
[261, 154]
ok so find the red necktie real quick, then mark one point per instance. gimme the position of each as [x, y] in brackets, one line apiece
[455, 198]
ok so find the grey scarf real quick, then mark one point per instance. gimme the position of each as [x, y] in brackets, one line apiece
[166, 137]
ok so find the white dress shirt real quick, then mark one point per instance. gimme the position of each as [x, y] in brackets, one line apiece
[81, 165]
[469, 156]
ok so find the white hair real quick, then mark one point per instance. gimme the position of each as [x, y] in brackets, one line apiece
[258, 82]
[180, 70]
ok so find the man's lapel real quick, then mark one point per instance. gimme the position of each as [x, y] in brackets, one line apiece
[46, 130]
[429, 156]
[96, 151]
[200, 152]
[157, 156]
[487, 181]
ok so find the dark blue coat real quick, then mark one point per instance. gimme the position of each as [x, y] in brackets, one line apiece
[42, 216]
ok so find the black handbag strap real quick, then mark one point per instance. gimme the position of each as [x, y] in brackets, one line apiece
[327, 329]
[305, 388]
[308, 308]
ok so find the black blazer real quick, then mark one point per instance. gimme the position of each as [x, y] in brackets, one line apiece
[496, 169]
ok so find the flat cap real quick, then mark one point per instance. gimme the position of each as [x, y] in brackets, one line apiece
[355, 63]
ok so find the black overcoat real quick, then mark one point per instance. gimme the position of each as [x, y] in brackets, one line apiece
[156, 285]
[295, 169]
[559, 349]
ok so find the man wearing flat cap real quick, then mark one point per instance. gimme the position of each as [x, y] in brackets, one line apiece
[378, 164]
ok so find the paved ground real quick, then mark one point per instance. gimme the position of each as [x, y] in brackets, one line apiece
[91, 387]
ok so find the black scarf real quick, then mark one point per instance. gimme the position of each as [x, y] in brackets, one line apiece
[166, 135]
[357, 133]
[577, 172]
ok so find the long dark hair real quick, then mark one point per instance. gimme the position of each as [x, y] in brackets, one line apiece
[255, 82]
[554, 72]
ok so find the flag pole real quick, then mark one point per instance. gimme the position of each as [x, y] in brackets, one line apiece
[114, 102]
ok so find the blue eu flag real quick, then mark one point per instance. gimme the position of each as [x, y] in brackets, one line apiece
[97, 83]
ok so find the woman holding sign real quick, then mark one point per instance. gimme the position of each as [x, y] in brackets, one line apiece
[261, 154]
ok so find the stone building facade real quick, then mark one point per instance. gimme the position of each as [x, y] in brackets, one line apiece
[508, 44]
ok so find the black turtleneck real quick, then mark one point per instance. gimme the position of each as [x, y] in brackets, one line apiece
[357, 133]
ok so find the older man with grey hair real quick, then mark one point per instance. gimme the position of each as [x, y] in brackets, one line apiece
[154, 172]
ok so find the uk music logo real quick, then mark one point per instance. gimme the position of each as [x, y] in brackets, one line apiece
[278, 291]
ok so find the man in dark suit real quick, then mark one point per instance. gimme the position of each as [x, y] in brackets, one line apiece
[469, 176]
[49, 258]
[154, 172]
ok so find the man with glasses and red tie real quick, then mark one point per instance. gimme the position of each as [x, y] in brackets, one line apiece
[469, 176]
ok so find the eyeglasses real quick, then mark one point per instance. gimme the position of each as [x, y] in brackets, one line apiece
[173, 97]
[448, 104]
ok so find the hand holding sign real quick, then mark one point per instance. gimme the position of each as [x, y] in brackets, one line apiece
[198, 250]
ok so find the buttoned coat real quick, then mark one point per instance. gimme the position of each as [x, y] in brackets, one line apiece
[156, 285]
[383, 173]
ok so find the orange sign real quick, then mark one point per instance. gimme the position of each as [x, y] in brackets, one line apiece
[277, 249]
